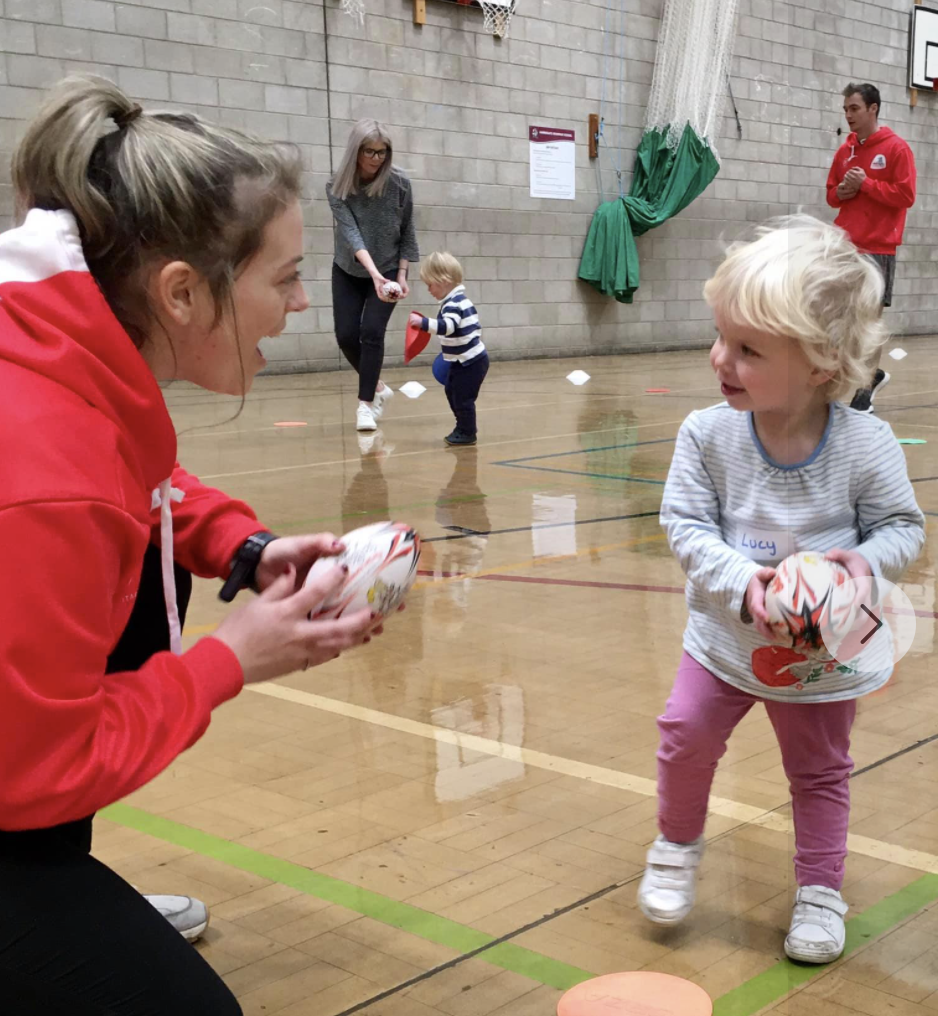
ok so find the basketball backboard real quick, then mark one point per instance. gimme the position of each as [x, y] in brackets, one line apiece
[923, 47]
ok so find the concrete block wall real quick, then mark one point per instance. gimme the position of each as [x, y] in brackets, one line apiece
[459, 104]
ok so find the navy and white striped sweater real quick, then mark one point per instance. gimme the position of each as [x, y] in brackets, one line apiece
[457, 326]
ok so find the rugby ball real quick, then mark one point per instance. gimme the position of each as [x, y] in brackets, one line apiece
[382, 565]
[392, 290]
[808, 598]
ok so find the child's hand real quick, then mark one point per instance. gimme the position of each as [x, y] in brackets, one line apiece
[416, 319]
[755, 601]
[855, 563]
[860, 571]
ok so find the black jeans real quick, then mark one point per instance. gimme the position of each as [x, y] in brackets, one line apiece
[361, 320]
[462, 390]
[75, 938]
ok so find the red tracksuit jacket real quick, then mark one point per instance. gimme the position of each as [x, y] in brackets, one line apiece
[875, 218]
[85, 439]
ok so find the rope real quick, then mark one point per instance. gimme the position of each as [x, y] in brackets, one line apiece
[615, 159]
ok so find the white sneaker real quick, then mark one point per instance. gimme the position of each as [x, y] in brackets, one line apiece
[365, 417]
[382, 398]
[669, 886]
[817, 933]
[187, 915]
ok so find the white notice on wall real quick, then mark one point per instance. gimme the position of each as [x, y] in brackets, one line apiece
[553, 163]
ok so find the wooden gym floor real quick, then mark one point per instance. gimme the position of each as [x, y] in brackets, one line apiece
[452, 820]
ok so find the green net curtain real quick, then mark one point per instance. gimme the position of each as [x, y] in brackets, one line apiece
[665, 181]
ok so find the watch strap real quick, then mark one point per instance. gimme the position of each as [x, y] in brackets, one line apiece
[244, 566]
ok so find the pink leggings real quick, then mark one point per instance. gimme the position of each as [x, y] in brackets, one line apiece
[701, 714]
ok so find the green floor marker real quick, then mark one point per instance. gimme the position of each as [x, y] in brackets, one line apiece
[911, 440]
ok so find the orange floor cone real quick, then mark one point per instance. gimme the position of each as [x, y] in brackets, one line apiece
[634, 994]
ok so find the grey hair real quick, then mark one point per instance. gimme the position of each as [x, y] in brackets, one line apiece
[151, 187]
[804, 279]
[346, 180]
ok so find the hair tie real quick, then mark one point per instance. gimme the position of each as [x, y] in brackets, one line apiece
[128, 117]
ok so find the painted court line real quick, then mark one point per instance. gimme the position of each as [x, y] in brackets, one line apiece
[428, 451]
[745, 1000]
[737, 811]
[422, 923]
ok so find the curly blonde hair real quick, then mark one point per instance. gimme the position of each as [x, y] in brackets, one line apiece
[806, 280]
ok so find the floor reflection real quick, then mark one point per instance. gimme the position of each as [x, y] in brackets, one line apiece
[498, 715]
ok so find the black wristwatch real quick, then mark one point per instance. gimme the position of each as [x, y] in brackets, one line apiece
[244, 566]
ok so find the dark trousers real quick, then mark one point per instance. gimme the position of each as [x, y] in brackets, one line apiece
[462, 390]
[361, 320]
[75, 938]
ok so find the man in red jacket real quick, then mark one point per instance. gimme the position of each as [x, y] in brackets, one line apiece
[872, 182]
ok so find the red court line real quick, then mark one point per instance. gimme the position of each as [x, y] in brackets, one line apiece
[626, 586]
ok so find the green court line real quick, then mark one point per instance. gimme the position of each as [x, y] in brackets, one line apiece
[418, 922]
[745, 1000]
[776, 982]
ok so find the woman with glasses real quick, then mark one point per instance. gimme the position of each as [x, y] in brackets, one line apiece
[373, 206]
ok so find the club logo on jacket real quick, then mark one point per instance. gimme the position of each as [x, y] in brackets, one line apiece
[879, 162]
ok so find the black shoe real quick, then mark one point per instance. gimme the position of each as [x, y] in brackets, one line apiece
[863, 400]
[459, 438]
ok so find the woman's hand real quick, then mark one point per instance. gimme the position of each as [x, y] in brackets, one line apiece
[273, 635]
[402, 282]
[380, 282]
[755, 601]
[298, 551]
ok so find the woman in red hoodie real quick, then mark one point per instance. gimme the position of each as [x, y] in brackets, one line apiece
[155, 247]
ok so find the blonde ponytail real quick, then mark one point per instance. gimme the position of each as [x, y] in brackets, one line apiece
[146, 187]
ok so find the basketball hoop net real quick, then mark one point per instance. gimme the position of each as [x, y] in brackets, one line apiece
[695, 45]
[355, 9]
[497, 17]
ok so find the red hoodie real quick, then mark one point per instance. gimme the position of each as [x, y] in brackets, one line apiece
[875, 218]
[86, 440]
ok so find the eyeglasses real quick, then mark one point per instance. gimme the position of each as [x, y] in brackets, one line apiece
[376, 153]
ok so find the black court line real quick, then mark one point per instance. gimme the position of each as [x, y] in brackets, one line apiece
[584, 451]
[579, 472]
[591, 898]
[894, 755]
[485, 948]
[544, 525]
[905, 409]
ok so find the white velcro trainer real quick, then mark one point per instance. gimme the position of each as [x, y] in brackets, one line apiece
[669, 886]
[817, 933]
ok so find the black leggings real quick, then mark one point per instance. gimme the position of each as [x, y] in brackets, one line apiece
[75, 938]
[361, 320]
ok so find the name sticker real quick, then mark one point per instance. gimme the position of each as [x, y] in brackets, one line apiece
[769, 546]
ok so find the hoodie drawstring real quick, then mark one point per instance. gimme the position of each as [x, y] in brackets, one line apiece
[163, 498]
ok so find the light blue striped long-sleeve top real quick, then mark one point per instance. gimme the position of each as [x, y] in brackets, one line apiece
[728, 510]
